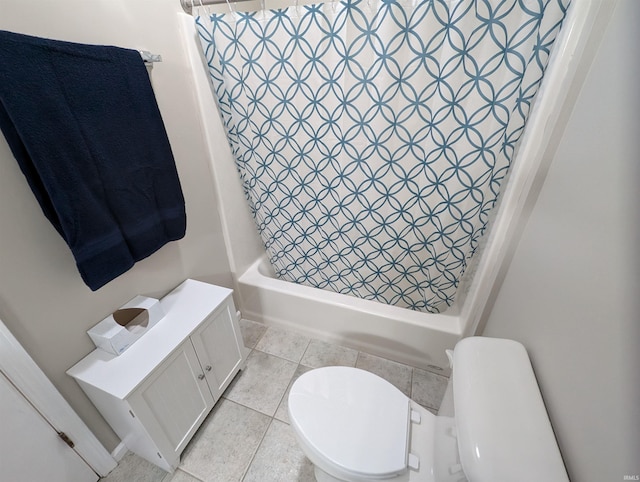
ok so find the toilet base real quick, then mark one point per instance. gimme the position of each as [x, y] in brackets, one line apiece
[322, 476]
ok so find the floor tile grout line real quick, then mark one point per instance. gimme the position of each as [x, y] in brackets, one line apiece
[311, 339]
[281, 398]
[246, 470]
[358, 352]
[258, 340]
[411, 385]
[299, 362]
[285, 391]
[250, 408]
[186, 472]
[271, 354]
[305, 350]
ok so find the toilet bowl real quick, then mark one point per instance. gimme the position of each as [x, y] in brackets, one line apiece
[492, 426]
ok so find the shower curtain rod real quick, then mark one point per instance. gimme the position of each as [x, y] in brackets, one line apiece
[187, 5]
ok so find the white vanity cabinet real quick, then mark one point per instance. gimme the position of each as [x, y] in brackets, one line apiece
[156, 394]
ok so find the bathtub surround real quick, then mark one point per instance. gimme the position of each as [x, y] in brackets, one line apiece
[372, 139]
[83, 123]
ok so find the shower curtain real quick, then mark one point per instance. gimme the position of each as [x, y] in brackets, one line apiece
[372, 137]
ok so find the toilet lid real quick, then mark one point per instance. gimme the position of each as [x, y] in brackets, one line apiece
[352, 420]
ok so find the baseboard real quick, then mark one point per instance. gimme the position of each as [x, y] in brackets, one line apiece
[119, 452]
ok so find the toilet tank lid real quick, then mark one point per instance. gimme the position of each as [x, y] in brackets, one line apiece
[504, 432]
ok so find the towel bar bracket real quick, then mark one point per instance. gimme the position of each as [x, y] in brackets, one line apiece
[150, 58]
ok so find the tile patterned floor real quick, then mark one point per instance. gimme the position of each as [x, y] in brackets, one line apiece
[247, 436]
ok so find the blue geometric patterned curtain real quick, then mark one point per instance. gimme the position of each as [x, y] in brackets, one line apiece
[372, 138]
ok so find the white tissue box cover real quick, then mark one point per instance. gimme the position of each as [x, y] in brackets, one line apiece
[113, 337]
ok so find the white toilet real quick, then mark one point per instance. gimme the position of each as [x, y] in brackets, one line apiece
[492, 425]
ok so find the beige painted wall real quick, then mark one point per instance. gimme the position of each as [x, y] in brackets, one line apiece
[43, 300]
[571, 292]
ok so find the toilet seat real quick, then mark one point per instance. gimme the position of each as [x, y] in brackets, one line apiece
[351, 422]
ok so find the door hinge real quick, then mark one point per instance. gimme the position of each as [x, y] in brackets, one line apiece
[66, 439]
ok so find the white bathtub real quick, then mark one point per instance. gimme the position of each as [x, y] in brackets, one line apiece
[406, 336]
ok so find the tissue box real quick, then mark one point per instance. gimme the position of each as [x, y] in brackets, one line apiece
[122, 328]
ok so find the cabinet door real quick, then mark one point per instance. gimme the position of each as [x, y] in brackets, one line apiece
[173, 402]
[219, 348]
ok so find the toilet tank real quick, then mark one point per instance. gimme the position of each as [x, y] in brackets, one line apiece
[504, 433]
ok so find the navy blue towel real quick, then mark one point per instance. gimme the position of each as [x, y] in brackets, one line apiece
[84, 126]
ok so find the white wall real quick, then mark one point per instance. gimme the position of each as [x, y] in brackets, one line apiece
[43, 300]
[244, 245]
[571, 292]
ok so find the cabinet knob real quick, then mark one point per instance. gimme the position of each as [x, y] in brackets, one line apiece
[208, 368]
[201, 376]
